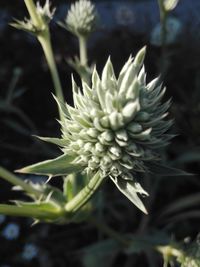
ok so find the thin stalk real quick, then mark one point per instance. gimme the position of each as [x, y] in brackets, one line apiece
[12, 210]
[13, 179]
[48, 51]
[85, 194]
[37, 20]
[83, 50]
[163, 21]
[43, 37]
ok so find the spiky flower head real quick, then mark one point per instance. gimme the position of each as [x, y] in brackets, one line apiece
[117, 125]
[81, 18]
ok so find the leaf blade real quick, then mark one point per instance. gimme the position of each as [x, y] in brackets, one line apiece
[61, 165]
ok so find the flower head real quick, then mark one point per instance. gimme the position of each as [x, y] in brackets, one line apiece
[117, 125]
[81, 18]
[115, 129]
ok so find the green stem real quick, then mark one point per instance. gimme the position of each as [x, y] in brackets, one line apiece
[45, 42]
[83, 50]
[163, 21]
[12, 210]
[43, 36]
[32, 10]
[13, 179]
[85, 194]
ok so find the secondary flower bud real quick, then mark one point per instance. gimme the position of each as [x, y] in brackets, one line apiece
[81, 18]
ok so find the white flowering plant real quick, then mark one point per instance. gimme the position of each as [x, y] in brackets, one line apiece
[115, 129]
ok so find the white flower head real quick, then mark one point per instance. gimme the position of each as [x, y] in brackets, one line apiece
[114, 130]
[11, 231]
[117, 125]
[81, 18]
[173, 28]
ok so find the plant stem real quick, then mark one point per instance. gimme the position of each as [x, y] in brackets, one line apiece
[85, 194]
[13, 179]
[163, 21]
[48, 52]
[37, 20]
[12, 210]
[43, 37]
[83, 50]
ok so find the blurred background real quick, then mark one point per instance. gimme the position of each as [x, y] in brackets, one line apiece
[27, 108]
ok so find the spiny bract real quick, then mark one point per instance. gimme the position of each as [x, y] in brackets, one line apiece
[117, 125]
[81, 18]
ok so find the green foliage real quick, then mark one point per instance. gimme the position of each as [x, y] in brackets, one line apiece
[62, 165]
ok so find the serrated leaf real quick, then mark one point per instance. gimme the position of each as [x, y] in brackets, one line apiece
[130, 190]
[62, 165]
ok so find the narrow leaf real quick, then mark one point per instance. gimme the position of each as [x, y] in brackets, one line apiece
[55, 167]
[164, 170]
[130, 190]
[55, 141]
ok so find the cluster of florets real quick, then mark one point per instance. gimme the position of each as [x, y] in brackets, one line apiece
[117, 125]
[81, 18]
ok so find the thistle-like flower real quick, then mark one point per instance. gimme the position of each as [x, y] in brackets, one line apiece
[115, 127]
[81, 18]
